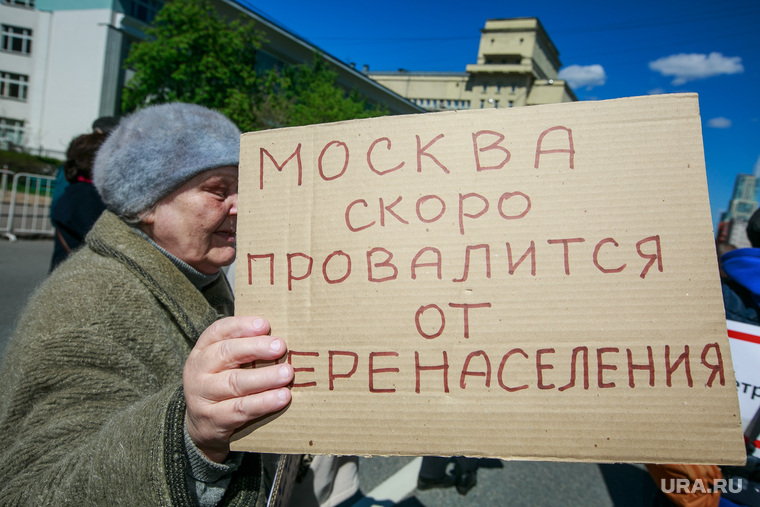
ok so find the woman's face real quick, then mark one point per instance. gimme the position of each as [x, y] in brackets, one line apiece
[197, 222]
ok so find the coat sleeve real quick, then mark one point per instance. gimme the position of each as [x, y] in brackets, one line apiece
[93, 410]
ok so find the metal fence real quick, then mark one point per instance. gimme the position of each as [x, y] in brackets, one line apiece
[25, 204]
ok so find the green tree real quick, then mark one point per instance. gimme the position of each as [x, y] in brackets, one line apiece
[193, 55]
[307, 94]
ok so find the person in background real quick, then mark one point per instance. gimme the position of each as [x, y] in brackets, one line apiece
[126, 378]
[741, 284]
[102, 125]
[76, 211]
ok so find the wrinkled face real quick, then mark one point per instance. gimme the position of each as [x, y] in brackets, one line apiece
[197, 222]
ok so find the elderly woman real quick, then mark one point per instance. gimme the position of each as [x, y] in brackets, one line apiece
[123, 383]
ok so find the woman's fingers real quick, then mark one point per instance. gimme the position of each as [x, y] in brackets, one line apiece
[232, 327]
[233, 352]
[235, 341]
[240, 382]
[239, 411]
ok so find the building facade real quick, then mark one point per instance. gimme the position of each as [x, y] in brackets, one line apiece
[61, 65]
[517, 65]
[732, 227]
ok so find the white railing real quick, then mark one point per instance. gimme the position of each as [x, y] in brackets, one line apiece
[25, 204]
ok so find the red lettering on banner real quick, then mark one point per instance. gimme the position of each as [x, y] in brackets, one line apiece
[384, 264]
[540, 367]
[507, 196]
[503, 363]
[466, 371]
[466, 307]
[462, 214]
[436, 263]
[418, 315]
[565, 242]
[717, 367]
[443, 367]
[596, 257]
[279, 167]
[657, 256]
[669, 370]
[291, 277]
[373, 370]
[575, 352]
[422, 200]
[271, 266]
[601, 366]
[345, 160]
[530, 251]
[487, 253]
[292, 353]
[570, 150]
[348, 220]
[389, 209]
[331, 365]
[348, 267]
[369, 157]
[646, 367]
[493, 146]
[422, 151]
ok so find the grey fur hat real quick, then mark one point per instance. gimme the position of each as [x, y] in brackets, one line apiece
[155, 150]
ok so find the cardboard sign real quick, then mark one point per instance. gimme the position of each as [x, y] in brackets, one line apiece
[532, 283]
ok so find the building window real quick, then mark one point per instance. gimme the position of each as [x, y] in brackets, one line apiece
[485, 88]
[12, 131]
[20, 3]
[16, 39]
[13, 86]
[482, 103]
[144, 10]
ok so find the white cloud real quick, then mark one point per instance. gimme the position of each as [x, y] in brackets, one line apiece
[656, 91]
[757, 167]
[689, 67]
[578, 76]
[719, 123]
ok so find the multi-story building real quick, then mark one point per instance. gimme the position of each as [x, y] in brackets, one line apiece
[62, 64]
[517, 65]
[732, 227]
[16, 66]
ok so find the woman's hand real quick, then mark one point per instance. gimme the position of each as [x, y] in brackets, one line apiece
[221, 396]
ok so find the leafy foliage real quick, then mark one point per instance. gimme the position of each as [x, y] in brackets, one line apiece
[308, 94]
[193, 55]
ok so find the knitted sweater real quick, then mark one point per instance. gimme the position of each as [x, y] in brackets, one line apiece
[92, 409]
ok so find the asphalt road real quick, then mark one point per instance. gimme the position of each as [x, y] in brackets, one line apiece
[387, 481]
[23, 265]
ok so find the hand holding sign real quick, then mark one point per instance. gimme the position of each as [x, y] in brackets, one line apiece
[221, 396]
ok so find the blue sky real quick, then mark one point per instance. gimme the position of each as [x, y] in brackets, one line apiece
[608, 50]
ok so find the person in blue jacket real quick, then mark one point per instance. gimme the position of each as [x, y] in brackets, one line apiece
[80, 205]
[741, 283]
